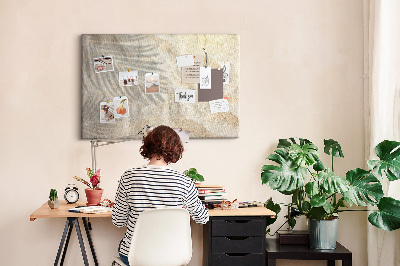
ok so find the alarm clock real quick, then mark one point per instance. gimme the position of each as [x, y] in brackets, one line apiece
[71, 194]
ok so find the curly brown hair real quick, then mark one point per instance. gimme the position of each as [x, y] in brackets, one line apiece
[162, 141]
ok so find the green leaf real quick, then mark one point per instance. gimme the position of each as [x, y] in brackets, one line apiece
[311, 189]
[320, 201]
[292, 222]
[287, 176]
[306, 206]
[364, 188]
[304, 155]
[317, 213]
[388, 216]
[276, 208]
[319, 166]
[332, 146]
[332, 183]
[284, 143]
[388, 153]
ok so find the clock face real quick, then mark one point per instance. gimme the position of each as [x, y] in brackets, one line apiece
[71, 196]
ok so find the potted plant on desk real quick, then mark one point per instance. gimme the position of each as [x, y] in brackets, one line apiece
[194, 175]
[53, 202]
[319, 194]
[93, 193]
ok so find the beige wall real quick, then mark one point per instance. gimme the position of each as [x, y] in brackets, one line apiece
[301, 75]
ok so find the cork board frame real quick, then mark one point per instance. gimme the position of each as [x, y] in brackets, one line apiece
[156, 53]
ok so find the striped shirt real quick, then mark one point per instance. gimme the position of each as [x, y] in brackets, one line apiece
[151, 187]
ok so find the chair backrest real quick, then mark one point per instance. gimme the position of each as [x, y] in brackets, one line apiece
[161, 237]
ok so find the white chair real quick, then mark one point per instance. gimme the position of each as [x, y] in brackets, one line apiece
[162, 237]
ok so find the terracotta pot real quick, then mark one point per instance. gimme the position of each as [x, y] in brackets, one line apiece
[93, 196]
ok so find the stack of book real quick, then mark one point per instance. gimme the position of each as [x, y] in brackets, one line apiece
[211, 194]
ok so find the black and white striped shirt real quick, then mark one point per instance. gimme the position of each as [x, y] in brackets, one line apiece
[151, 187]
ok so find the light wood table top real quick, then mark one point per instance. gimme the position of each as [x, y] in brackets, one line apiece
[62, 211]
[249, 211]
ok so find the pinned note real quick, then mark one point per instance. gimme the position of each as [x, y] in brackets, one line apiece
[183, 134]
[185, 60]
[226, 68]
[107, 112]
[217, 88]
[205, 77]
[191, 74]
[219, 106]
[185, 96]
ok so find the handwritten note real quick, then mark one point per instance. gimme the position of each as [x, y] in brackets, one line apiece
[205, 77]
[185, 60]
[226, 68]
[191, 74]
[185, 96]
[219, 106]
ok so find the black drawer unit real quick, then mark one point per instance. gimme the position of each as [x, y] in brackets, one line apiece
[234, 241]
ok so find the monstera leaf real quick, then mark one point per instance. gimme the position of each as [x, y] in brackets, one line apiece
[286, 177]
[388, 153]
[363, 188]
[276, 208]
[331, 183]
[334, 147]
[304, 155]
[388, 216]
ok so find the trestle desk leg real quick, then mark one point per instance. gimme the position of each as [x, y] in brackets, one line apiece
[90, 240]
[67, 225]
[78, 232]
[66, 242]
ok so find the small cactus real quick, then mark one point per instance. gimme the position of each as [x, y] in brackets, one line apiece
[53, 195]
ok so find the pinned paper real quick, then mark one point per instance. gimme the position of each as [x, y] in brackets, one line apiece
[185, 96]
[103, 64]
[205, 78]
[217, 88]
[183, 134]
[219, 106]
[121, 107]
[107, 112]
[191, 74]
[152, 83]
[185, 60]
[226, 68]
[128, 78]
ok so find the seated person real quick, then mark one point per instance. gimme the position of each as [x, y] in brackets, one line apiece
[155, 185]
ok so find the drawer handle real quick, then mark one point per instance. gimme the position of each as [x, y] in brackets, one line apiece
[237, 254]
[237, 221]
[236, 237]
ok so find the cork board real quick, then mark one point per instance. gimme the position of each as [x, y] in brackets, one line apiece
[151, 53]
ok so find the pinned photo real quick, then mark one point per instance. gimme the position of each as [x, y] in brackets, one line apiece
[103, 64]
[121, 106]
[107, 112]
[152, 83]
[128, 78]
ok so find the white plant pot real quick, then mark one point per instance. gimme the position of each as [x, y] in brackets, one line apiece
[54, 204]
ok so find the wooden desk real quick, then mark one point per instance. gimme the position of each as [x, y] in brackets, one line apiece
[72, 219]
[304, 252]
[235, 237]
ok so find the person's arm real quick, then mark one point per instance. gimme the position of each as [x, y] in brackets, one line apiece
[120, 209]
[193, 205]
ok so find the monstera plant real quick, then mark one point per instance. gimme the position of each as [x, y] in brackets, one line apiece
[320, 194]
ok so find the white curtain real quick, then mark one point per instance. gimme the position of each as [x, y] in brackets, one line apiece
[382, 19]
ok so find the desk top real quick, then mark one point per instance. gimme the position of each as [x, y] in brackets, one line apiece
[249, 211]
[62, 212]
